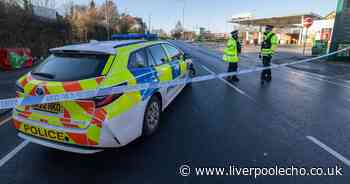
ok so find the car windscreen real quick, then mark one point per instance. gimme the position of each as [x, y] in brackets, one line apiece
[70, 67]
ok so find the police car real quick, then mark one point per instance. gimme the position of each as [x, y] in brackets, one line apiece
[91, 125]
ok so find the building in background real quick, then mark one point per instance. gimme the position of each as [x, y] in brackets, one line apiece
[221, 36]
[202, 30]
[341, 33]
[189, 35]
[322, 29]
[331, 16]
[289, 29]
[160, 32]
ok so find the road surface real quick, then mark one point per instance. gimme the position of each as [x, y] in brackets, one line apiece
[299, 120]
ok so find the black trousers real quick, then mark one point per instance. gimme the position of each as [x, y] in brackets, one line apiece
[232, 67]
[266, 74]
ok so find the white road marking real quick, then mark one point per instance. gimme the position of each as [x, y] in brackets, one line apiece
[329, 150]
[315, 76]
[319, 77]
[5, 121]
[228, 83]
[13, 153]
[327, 77]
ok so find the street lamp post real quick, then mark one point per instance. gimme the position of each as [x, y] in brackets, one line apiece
[149, 23]
[183, 15]
[183, 18]
[107, 21]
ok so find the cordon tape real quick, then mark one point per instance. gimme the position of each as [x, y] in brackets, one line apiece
[32, 100]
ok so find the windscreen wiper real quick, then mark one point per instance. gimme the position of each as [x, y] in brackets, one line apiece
[46, 75]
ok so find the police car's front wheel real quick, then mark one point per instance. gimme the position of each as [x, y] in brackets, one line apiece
[152, 116]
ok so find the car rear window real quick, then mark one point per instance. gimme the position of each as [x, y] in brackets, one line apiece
[70, 67]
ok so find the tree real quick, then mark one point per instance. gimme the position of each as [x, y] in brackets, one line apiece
[27, 5]
[92, 4]
[67, 8]
[125, 23]
[109, 13]
[92, 20]
[79, 23]
[21, 29]
[140, 26]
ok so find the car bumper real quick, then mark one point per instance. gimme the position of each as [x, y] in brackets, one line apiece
[59, 146]
[69, 135]
[111, 133]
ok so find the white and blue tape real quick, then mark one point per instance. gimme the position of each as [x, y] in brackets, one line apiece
[31, 100]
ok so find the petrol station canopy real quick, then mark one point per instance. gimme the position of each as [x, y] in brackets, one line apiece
[278, 21]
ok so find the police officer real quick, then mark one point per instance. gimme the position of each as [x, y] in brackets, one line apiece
[268, 49]
[231, 53]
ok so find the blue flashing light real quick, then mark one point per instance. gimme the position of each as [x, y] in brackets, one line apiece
[134, 36]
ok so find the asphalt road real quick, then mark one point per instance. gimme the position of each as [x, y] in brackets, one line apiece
[299, 120]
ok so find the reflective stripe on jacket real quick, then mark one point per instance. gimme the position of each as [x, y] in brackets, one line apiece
[231, 51]
[269, 46]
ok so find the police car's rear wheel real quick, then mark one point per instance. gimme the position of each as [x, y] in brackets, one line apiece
[152, 116]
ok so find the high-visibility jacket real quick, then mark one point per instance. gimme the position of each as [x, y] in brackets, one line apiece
[269, 45]
[231, 51]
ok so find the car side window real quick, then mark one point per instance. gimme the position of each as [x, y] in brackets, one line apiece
[138, 59]
[173, 52]
[151, 61]
[158, 54]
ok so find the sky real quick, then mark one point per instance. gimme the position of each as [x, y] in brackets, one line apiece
[213, 14]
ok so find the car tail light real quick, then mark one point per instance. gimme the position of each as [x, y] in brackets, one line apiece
[19, 88]
[101, 101]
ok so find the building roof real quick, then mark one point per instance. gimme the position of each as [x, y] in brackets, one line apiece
[96, 47]
[331, 15]
[279, 21]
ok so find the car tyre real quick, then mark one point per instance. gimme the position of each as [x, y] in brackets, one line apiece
[151, 117]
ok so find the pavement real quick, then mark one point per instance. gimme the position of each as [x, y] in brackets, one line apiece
[7, 84]
[300, 119]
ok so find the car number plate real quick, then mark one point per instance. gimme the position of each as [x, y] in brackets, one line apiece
[50, 107]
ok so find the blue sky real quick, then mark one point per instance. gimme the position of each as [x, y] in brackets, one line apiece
[213, 14]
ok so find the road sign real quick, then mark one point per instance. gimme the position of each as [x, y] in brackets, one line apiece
[308, 21]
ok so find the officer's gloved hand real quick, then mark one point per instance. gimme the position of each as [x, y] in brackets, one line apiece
[259, 55]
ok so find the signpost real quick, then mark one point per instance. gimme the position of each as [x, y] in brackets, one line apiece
[308, 21]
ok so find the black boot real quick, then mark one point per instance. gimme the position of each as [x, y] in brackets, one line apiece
[235, 79]
[262, 81]
[268, 78]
